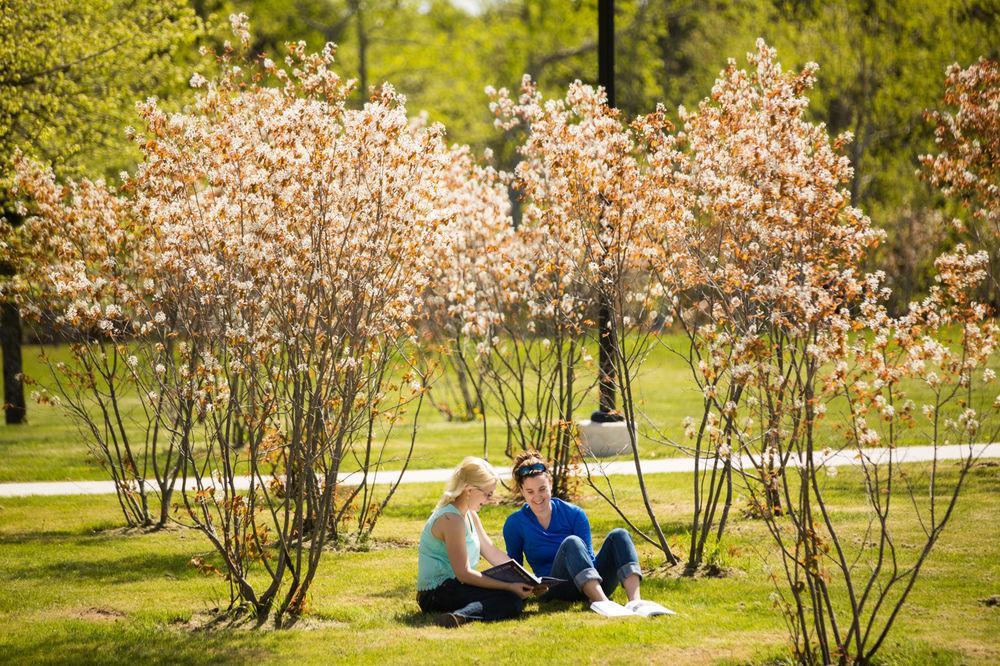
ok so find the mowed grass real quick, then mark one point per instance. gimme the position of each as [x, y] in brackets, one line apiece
[51, 446]
[74, 588]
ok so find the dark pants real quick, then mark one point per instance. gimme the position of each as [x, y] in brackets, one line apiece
[469, 601]
[615, 561]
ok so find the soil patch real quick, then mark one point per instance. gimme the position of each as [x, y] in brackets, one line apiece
[704, 571]
[98, 613]
[369, 545]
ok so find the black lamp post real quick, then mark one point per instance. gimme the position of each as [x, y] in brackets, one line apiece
[606, 47]
[15, 408]
[606, 337]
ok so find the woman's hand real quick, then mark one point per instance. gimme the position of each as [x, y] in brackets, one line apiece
[521, 590]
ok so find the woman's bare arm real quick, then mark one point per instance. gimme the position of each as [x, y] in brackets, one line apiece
[451, 529]
[492, 554]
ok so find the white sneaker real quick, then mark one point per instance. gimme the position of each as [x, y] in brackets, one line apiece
[647, 608]
[610, 609]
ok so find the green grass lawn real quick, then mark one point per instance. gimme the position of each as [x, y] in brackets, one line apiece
[75, 588]
[49, 447]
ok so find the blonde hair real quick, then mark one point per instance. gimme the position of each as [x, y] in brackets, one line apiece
[471, 471]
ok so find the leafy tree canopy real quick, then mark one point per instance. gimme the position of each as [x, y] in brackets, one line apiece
[70, 73]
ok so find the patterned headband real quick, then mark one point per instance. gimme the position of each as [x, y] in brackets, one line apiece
[531, 470]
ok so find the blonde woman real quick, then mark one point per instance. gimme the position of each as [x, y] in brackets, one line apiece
[450, 545]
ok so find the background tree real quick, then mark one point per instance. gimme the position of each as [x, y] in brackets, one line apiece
[880, 65]
[967, 166]
[70, 73]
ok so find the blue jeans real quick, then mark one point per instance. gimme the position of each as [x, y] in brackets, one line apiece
[616, 560]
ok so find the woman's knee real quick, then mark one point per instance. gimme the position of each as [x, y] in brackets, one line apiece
[620, 534]
[574, 542]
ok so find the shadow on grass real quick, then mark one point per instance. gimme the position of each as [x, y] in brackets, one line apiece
[903, 653]
[87, 537]
[600, 526]
[533, 609]
[401, 591]
[109, 570]
[419, 619]
[90, 643]
[556, 606]
[93, 534]
[416, 619]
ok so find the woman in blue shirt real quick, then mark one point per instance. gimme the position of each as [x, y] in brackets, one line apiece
[450, 544]
[554, 536]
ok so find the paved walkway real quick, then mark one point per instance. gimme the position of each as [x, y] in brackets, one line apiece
[663, 465]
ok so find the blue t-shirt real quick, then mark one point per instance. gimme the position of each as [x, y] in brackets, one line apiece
[525, 538]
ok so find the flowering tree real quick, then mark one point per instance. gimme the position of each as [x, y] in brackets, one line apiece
[508, 313]
[288, 239]
[764, 255]
[741, 225]
[85, 275]
[506, 299]
[968, 164]
[783, 325]
[585, 188]
[534, 350]
[510, 300]
[844, 590]
[458, 315]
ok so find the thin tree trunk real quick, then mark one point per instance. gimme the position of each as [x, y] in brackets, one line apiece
[359, 20]
[15, 409]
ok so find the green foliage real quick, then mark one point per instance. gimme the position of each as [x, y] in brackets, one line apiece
[72, 72]
[882, 65]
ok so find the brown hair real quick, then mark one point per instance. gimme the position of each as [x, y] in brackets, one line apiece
[527, 459]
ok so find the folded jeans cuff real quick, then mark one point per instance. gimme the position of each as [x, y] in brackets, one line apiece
[627, 569]
[585, 576]
[471, 611]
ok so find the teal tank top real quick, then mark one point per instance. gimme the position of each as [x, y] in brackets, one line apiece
[433, 567]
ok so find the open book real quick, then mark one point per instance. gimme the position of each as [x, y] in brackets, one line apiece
[647, 608]
[641, 607]
[512, 572]
[611, 609]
